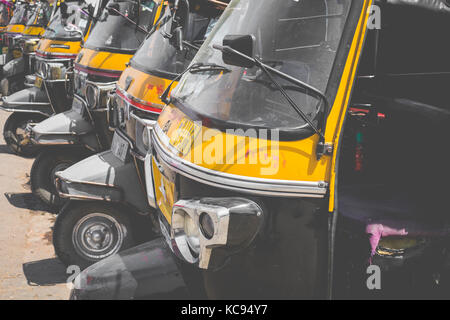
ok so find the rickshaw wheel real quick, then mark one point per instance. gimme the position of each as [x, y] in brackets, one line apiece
[42, 175]
[87, 232]
[15, 136]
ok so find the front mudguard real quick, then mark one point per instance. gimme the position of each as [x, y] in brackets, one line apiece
[103, 177]
[32, 100]
[148, 271]
[66, 128]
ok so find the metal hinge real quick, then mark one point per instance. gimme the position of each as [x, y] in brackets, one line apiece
[324, 149]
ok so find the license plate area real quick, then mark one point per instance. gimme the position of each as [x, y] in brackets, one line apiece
[119, 147]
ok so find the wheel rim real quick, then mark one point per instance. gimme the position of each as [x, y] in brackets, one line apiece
[97, 236]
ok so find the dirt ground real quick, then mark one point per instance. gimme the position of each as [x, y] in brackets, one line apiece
[29, 268]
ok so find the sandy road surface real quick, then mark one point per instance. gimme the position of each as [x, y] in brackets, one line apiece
[28, 266]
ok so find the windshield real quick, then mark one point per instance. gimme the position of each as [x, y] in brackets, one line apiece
[20, 14]
[114, 32]
[40, 15]
[299, 38]
[158, 54]
[77, 15]
[4, 15]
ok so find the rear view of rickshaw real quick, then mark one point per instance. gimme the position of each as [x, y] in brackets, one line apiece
[75, 134]
[23, 50]
[50, 88]
[290, 171]
[114, 180]
[22, 10]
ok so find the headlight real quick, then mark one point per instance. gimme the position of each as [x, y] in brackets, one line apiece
[207, 231]
[42, 69]
[97, 94]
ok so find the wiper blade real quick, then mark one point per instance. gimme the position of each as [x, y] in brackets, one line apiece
[196, 67]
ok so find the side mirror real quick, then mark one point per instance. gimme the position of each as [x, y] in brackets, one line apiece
[113, 9]
[242, 43]
[178, 35]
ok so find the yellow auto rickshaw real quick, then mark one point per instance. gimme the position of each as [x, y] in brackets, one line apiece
[77, 133]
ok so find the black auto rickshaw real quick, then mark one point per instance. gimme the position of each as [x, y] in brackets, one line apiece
[49, 90]
[114, 180]
[291, 172]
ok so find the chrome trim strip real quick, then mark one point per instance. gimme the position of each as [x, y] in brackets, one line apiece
[144, 122]
[259, 186]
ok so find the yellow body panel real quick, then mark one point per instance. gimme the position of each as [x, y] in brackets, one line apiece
[34, 31]
[144, 86]
[103, 60]
[45, 46]
[15, 28]
[258, 158]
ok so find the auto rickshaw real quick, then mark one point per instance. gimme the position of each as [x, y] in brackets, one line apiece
[49, 90]
[314, 154]
[113, 180]
[23, 49]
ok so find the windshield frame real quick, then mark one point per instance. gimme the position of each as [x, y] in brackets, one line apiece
[304, 131]
[24, 8]
[87, 45]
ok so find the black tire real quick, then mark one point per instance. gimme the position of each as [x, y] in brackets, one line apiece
[73, 222]
[42, 172]
[13, 133]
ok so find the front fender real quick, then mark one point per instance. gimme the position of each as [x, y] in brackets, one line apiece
[103, 177]
[148, 271]
[28, 100]
[65, 128]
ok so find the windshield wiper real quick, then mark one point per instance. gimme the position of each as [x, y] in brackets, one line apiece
[196, 67]
[269, 71]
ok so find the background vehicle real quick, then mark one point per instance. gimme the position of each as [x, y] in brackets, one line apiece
[23, 48]
[50, 89]
[114, 180]
[76, 133]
